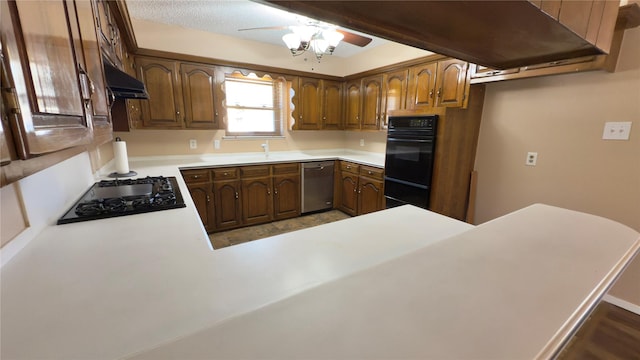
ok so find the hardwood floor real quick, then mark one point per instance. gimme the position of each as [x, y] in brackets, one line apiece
[610, 333]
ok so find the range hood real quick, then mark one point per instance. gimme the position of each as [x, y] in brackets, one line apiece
[123, 85]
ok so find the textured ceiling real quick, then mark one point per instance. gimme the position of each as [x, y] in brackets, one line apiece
[227, 17]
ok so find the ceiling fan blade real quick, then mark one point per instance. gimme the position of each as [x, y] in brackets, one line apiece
[354, 39]
[267, 28]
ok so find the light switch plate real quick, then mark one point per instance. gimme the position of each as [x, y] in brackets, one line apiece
[617, 130]
[193, 144]
[216, 144]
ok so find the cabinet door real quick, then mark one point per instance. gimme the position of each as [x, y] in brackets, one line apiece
[371, 102]
[352, 105]
[309, 103]
[198, 87]
[201, 195]
[48, 71]
[164, 107]
[102, 128]
[286, 192]
[349, 194]
[331, 105]
[422, 84]
[228, 211]
[451, 83]
[257, 201]
[370, 195]
[395, 93]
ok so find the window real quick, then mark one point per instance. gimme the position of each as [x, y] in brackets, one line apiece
[254, 105]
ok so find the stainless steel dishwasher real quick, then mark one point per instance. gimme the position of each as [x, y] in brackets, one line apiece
[317, 186]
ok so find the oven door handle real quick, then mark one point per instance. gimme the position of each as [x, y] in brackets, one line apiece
[410, 140]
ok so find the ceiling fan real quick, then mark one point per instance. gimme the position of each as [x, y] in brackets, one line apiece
[349, 37]
[320, 37]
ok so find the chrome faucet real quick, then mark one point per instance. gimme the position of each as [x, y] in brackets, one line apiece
[265, 146]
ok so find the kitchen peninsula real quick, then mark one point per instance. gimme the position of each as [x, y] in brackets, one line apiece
[148, 286]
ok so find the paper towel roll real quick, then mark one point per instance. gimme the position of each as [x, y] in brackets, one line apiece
[120, 155]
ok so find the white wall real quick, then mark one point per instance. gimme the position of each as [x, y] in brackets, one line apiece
[562, 118]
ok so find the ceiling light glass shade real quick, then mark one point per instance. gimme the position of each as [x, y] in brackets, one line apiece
[306, 33]
[293, 41]
[320, 47]
[333, 37]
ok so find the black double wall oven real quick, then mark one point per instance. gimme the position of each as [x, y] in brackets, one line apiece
[411, 142]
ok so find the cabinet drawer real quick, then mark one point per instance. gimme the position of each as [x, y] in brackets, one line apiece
[196, 176]
[292, 168]
[225, 173]
[255, 171]
[372, 172]
[349, 167]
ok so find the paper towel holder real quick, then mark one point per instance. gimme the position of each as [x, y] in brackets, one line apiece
[115, 174]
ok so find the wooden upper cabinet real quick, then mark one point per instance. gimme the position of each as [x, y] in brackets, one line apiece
[422, 85]
[395, 93]
[164, 107]
[43, 47]
[331, 105]
[108, 33]
[451, 83]
[102, 127]
[371, 102]
[352, 105]
[593, 20]
[438, 84]
[198, 86]
[308, 112]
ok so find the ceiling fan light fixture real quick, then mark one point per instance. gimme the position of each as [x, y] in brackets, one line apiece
[322, 41]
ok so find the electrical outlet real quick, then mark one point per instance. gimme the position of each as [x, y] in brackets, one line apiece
[193, 144]
[616, 130]
[532, 158]
[216, 144]
[361, 142]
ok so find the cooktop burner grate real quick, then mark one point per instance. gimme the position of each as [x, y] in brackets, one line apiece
[110, 198]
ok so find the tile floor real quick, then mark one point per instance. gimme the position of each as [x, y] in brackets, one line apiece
[238, 236]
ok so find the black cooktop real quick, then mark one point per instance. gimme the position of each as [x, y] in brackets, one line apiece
[110, 198]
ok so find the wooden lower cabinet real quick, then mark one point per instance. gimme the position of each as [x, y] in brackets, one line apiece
[257, 201]
[361, 189]
[244, 195]
[201, 195]
[286, 196]
[370, 195]
[349, 194]
[201, 190]
[228, 210]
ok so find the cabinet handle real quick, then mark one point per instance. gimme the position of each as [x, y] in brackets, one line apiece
[370, 172]
[355, 189]
[196, 176]
[431, 93]
[348, 167]
[237, 196]
[208, 199]
[275, 191]
[359, 190]
[439, 92]
[226, 173]
[268, 191]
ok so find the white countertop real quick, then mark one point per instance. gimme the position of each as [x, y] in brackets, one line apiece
[148, 285]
